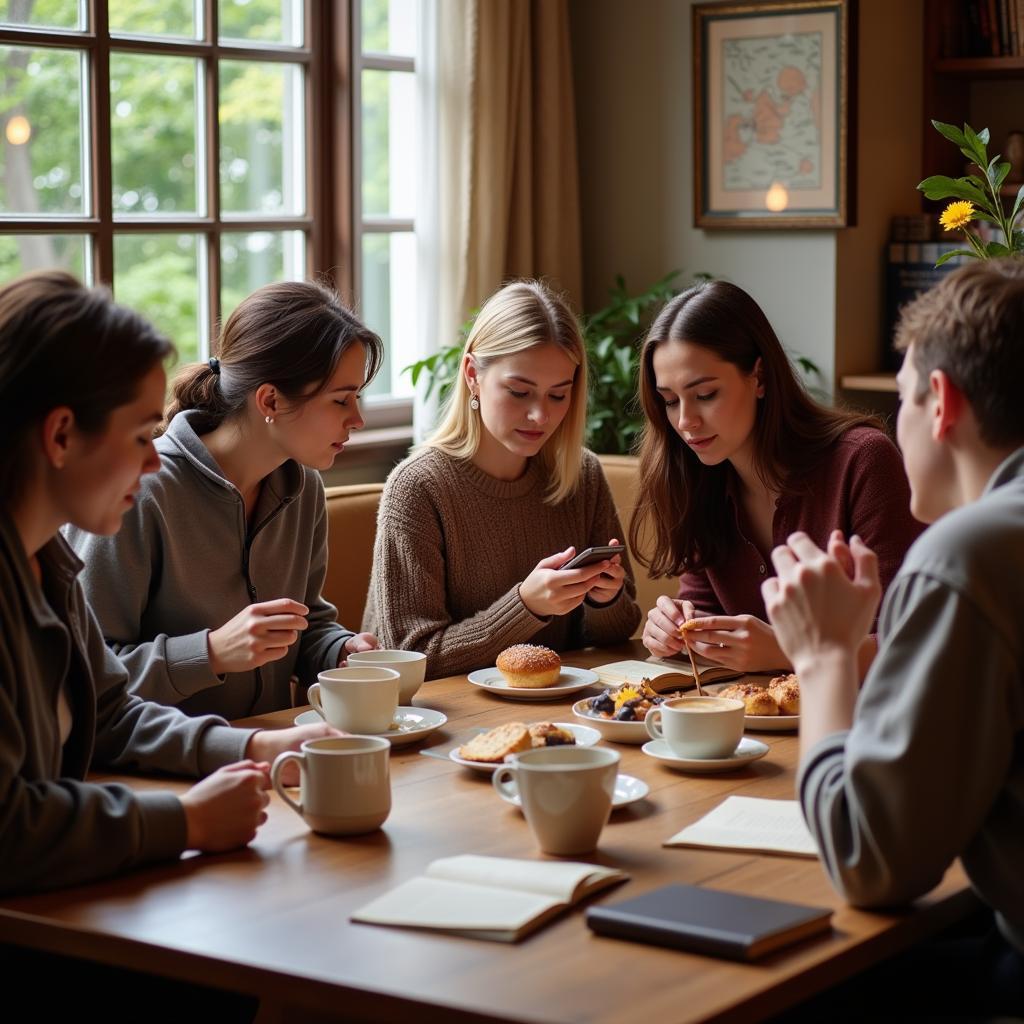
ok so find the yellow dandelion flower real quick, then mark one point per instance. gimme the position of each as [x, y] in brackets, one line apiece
[957, 215]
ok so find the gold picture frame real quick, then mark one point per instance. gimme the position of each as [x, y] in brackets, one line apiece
[773, 114]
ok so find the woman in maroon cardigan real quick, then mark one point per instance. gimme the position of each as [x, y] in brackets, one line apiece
[735, 456]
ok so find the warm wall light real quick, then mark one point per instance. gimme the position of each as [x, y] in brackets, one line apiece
[18, 130]
[777, 198]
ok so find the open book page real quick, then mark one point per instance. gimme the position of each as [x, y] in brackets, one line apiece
[565, 881]
[751, 823]
[710, 671]
[662, 676]
[456, 906]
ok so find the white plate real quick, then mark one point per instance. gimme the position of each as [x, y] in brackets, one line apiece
[411, 724]
[571, 680]
[585, 737]
[762, 723]
[609, 728]
[748, 750]
[628, 790]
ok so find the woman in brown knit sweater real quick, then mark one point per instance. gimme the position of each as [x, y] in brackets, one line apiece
[735, 457]
[474, 526]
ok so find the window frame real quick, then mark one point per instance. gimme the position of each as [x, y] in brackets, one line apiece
[383, 411]
[327, 220]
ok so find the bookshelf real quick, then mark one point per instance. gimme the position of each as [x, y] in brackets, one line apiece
[985, 91]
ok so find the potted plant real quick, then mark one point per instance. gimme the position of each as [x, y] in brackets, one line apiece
[977, 198]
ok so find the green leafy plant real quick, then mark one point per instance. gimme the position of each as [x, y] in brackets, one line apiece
[976, 198]
[612, 335]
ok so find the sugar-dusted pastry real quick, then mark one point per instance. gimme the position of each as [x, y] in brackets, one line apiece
[547, 734]
[786, 691]
[529, 665]
[494, 746]
[757, 700]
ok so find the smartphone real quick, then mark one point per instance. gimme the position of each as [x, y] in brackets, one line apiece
[592, 555]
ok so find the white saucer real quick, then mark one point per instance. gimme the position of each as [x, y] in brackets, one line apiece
[409, 725]
[571, 680]
[628, 790]
[748, 750]
[585, 737]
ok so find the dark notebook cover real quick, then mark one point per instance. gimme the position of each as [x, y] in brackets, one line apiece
[708, 921]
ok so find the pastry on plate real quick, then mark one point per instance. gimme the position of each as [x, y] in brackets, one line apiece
[547, 734]
[529, 666]
[786, 691]
[493, 746]
[757, 700]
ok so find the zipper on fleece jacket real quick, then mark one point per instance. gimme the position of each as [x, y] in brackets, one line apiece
[251, 587]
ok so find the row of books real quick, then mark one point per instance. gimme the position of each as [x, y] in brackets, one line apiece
[910, 269]
[984, 28]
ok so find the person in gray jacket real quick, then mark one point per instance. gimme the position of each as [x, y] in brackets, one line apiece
[210, 592]
[926, 763]
[81, 389]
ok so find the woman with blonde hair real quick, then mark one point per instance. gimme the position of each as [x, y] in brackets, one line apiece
[475, 525]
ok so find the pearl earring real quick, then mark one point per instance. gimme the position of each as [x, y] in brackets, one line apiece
[269, 419]
[474, 403]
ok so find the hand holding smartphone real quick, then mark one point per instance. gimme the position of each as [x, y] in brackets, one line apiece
[591, 555]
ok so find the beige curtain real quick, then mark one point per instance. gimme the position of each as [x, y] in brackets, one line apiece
[509, 173]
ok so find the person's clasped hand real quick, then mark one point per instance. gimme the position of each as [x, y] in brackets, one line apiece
[822, 603]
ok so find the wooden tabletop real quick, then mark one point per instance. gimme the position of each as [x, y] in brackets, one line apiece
[273, 919]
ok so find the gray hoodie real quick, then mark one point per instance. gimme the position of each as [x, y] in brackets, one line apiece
[55, 828]
[185, 561]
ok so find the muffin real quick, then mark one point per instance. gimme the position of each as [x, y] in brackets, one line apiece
[529, 666]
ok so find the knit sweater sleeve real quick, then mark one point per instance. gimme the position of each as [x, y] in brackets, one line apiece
[120, 572]
[407, 604]
[614, 621]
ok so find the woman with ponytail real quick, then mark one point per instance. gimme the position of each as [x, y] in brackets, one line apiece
[210, 593]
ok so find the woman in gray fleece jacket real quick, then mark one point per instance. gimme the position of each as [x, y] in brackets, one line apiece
[210, 593]
[81, 386]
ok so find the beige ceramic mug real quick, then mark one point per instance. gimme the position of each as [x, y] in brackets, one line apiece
[411, 667]
[698, 727]
[345, 786]
[565, 792]
[360, 699]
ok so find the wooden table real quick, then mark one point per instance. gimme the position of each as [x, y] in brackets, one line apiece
[273, 919]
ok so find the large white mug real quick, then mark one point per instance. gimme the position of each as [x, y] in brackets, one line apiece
[565, 792]
[698, 727]
[345, 783]
[411, 667]
[360, 699]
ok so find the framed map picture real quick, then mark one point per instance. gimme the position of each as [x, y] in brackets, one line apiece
[772, 114]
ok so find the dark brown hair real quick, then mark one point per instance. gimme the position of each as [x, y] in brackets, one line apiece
[971, 326]
[678, 523]
[62, 344]
[291, 335]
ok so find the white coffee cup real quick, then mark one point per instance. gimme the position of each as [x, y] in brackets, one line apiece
[698, 727]
[565, 792]
[360, 699]
[345, 786]
[411, 667]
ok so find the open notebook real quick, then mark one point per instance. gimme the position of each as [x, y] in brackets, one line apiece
[753, 824]
[495, 898]
[665, 674]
